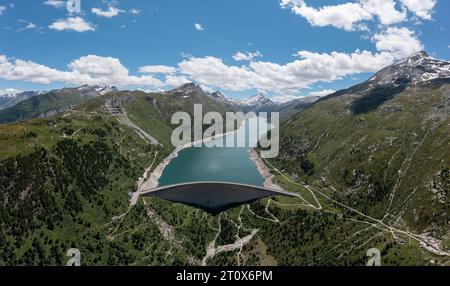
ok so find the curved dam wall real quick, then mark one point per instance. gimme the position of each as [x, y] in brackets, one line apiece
[213, 196]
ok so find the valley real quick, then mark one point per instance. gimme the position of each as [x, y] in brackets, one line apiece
[369, 167]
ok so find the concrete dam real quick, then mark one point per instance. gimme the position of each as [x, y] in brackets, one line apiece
[213, 197]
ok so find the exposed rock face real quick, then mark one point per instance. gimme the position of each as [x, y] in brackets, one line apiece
[417, 68]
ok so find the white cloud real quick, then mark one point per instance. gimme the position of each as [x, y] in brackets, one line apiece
[287, 98]
[351, 16]
[422, 8]
[287, 79]
[111, 12]
[161, 69]
[239, 56]
[401, 42]
[213, 72]
[10, 91]
[283, 79]
[322, 93]
[392, 43]
[30, 26]
[342, 16]
[77, 24]
[2, 9]
[90, 69]
[385, 11]
[29, 71]
[108, 71]
[198, 27]
[284, 98]
[135, 11]
[55, 3]
[175, 81]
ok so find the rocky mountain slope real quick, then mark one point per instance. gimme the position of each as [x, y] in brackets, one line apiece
[382, 147]
[9, 100]
[372, 177]
[45, 104]
[261, 103]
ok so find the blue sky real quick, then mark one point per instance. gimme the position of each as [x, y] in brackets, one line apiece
[286, 47]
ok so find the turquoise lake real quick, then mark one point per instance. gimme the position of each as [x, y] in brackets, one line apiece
[199, 164]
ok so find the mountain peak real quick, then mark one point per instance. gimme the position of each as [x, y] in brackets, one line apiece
[187, 88]
[97, 89]
[258, 99]
[259, 96]
[421, 54]
[187, 85]
[218, 95]
[419, 67]
[9, 92]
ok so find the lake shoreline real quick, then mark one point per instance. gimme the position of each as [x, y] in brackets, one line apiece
[264, 171]
[153, 180]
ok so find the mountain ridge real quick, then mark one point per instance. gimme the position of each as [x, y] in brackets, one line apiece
[381, 146]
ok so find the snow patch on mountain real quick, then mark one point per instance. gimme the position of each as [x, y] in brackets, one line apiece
[101, 90]
[9, 92]
[417, 68]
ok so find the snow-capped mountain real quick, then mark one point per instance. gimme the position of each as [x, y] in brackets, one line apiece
[12, 97]
[419, 67]
[218, 96]
[261, 102]
[96, 89]
[258, 99]
[257, 102]
[186, 90]
[9, 92]
[34, 104]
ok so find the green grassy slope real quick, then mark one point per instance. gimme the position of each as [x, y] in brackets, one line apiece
[45, 104]
[391, 163]
[64, 183]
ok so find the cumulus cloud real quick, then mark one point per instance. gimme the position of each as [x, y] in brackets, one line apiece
[284, 98]
[175, 81]
[239, 56]
[392, 43]
[198, 27]
[401, 42]
[287, 79]
[161, 69]
[2, 9]
[342, 16]
[90, 69]
[351, 16]
[109, 13]
[212, 71]
[283, 79]
[29, 71]
[76, 24]
[385, 11]
[422, 8]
